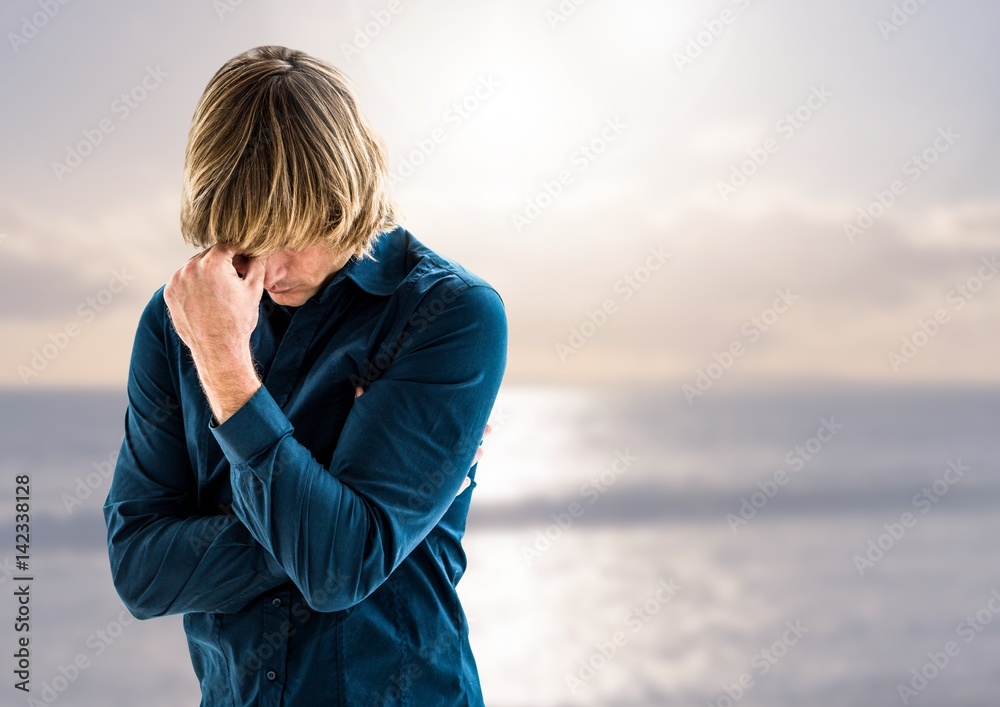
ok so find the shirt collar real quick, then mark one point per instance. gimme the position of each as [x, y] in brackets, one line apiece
[380, 276]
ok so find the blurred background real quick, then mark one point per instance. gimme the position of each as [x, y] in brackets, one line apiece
[745, 451]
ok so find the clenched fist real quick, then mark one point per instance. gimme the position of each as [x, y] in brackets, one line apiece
[213, 301]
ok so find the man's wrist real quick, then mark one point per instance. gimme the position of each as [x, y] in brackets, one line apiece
[228, 383]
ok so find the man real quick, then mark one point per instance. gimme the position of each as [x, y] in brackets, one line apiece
[306, 396]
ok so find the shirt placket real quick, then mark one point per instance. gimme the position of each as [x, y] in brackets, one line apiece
[287, 363]
[277, 628]
[276, 631]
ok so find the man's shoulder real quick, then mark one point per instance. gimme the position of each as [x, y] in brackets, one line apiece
[443, 267]
[437, 308]
[408, 267]
[154, 313]
[437, 297]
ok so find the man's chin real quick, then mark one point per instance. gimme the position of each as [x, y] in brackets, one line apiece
[291, 298]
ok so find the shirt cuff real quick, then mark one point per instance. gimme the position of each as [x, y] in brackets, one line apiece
[251, 429]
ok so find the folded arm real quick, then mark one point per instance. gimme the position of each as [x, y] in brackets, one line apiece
[403, 455]
[166, 558]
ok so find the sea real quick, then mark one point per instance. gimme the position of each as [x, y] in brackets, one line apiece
[815, 546]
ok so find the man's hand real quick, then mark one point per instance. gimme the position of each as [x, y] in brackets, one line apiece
[359, 391]
[214, 309]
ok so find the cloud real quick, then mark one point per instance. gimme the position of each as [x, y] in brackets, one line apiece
[49, 266]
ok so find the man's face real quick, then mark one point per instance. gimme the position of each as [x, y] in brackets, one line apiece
[293, 276]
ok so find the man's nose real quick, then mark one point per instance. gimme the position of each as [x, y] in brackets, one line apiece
[273, 272]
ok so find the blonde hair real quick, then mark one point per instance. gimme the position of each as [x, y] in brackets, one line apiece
[279, 156]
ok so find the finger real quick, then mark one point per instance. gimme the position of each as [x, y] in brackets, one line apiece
[486, 432]
[223, 252]
[216, 251]
[358, 391]
[254, 273]
[209, 259]
[479, 455]
[465, 484]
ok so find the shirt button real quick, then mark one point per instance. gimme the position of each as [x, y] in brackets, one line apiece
[271, 675]
[276, 601]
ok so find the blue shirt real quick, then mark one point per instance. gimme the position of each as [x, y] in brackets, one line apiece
[313, 541]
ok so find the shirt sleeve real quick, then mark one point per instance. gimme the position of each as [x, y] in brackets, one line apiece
[165, 558]
[405, 450]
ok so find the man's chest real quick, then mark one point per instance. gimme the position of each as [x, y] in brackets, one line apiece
[311, 364]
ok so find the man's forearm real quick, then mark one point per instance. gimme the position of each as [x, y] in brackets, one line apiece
[229, 381]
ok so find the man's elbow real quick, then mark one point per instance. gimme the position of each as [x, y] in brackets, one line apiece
[139, 604]
[134, 589]
[326, 595]
[328, 602]
[143, 612]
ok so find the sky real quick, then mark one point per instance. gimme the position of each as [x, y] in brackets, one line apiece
[699, 195]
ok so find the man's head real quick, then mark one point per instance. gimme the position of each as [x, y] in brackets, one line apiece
[281, 164]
